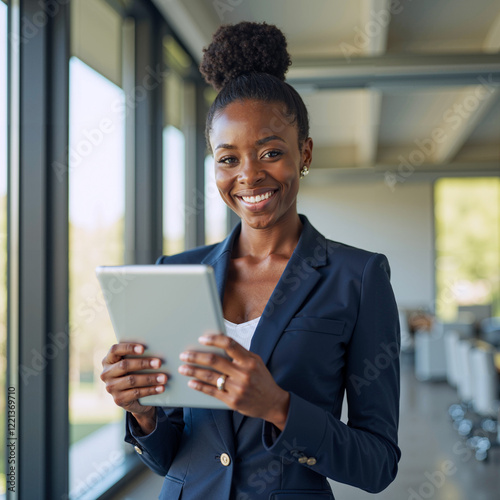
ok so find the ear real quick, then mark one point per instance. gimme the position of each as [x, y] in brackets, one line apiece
[307, 152]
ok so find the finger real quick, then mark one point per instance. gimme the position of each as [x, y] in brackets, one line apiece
[127, 365]
[208, 376]
[134, 380]
[117, 351]
[232, 348]
[209, 389]
[125, 398]
[209, 359]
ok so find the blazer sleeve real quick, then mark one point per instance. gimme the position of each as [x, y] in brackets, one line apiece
[364, 452]
[158, 449]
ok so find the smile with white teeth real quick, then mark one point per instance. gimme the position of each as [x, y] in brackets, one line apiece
[258, 198]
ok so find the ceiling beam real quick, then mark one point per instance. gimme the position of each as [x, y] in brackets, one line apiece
[492, 40]
[389, 174]
[460, 120]
[375, 20]
[186, 26]
[369, 123]
[468, 110]
[393, 70]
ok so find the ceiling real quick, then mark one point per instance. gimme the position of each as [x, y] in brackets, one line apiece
[386, 83]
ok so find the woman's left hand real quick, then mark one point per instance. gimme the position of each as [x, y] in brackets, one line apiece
[249, 387]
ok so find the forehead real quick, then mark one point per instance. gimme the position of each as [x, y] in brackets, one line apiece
[252, 120]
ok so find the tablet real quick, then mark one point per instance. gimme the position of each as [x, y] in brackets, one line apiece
[166, 308]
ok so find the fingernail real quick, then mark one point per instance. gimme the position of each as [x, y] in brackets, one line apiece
[204, 339]
[184, 356]
[159, 388]
[192, 384]
[161, 379]
[138, 349]
[155, 363]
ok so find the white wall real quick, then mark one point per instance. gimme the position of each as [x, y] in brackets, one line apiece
[397, 223]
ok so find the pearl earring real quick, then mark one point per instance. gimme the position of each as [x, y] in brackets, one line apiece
[304, 171]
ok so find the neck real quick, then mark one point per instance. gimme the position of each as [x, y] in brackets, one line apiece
[281, 238]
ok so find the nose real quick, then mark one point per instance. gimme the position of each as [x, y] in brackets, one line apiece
[251, 172]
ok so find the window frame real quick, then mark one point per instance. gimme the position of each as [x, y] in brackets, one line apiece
[37, 227]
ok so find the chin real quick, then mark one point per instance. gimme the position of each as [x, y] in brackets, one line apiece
[260, 221]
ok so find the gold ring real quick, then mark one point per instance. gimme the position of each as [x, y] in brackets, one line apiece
[221, 382]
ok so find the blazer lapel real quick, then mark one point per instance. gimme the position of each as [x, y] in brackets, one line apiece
[297, 281]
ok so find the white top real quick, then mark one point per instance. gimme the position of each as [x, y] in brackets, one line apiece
[242, 332]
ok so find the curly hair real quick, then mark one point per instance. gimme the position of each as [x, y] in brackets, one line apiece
[249, 61]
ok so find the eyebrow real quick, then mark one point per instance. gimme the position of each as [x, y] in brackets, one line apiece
[268, 139]
[260, 142]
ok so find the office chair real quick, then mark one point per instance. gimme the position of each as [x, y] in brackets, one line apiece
[485, 401]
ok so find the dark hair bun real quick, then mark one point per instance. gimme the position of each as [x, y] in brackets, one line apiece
[244, 48]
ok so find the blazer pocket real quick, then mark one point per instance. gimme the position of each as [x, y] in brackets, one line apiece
[171, 489]
[301, 495]
[320, 325]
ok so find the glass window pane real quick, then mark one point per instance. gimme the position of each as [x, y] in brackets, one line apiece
[174, 147]
[467, 214]
[96, 232]
[3, 232]
[174, 171]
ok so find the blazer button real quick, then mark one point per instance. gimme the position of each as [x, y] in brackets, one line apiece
[311, 461]
[225, 460]
[138, 450]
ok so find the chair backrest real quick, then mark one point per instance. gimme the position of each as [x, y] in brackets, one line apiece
[464, 328]
[451, 340]
[490, 331]
[480, 311]
[485, 385]
[490, 324]
[464, 380]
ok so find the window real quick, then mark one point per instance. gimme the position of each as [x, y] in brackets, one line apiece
[180, 196]
[215, 209]
[467, 215]
[96, 237]
[174, 173]
[178, 107]
[3, 233]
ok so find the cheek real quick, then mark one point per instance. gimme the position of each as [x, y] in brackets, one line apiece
[291, 179]
[223, 181]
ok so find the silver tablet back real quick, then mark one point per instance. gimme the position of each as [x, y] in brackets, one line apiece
[166, 308]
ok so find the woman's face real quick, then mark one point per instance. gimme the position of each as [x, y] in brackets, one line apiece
[257, 161]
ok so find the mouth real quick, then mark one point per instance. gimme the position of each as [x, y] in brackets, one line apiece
[259, 201]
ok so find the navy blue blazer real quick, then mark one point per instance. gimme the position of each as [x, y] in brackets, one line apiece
[330, 327]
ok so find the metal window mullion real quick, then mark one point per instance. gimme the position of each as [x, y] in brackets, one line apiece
[147, 102]
[37, 266]
[13, 206]
[128, 79]
[57, 334]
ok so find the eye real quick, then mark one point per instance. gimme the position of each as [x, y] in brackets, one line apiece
[227, 160]
[275, 153]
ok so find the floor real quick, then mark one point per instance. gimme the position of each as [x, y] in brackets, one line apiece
[435, 463]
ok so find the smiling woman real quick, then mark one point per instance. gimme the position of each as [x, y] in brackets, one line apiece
[305, 316]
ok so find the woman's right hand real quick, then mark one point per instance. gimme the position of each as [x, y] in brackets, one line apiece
[127, 386]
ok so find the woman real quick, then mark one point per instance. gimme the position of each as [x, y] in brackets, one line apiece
[313, 319]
